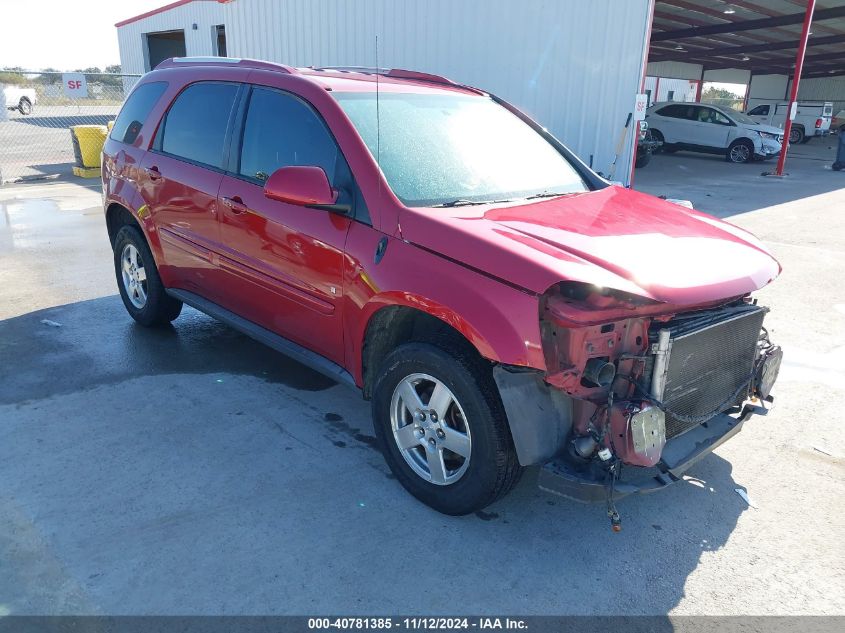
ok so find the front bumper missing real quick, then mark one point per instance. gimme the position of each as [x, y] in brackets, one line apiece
[680, 453]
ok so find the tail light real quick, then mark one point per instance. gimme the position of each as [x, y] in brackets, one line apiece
[818, 123]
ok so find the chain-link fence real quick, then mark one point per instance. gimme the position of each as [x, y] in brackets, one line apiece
[35, 140]
[736, 103]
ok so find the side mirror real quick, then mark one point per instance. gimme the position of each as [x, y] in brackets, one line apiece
[304, 186]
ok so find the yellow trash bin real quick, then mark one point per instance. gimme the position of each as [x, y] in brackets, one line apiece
[88, 143]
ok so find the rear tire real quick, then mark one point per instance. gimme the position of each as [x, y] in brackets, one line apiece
[740, 151]
[24, 106]
[140, 286]
[796, 134]
[658, 136]
[643, 159]
[472, 420]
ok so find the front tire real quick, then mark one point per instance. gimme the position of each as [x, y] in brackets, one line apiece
[741, 151]
[442, 428]
[24, 106]
[140, 286]
[643, 159]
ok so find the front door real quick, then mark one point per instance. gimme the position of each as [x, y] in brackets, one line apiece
[710, 128]
[282, 262]
[180, 179]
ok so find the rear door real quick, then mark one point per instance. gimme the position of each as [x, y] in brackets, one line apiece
[180, 177]
[673, 123]
[282, 262]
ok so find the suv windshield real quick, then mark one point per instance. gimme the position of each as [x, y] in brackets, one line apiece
[736, 115]
[443, 149]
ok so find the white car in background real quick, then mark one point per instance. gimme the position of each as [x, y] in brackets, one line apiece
[811, 118]
[21, 99]
[701, 127]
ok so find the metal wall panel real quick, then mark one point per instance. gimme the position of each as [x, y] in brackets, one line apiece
[769, 88]
[675, 70]
[574, 66]
[199, 41]
[728, 75]
[681, 89]
[823, 89]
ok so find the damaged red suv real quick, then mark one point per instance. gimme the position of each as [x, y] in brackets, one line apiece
[499, 303]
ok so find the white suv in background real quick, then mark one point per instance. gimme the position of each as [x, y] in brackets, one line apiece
[713, 129]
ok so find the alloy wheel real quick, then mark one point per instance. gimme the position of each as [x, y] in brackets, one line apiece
[740, 153]
[430, 429]
[134, 276]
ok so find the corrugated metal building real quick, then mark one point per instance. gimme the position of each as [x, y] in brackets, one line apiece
[574, 66]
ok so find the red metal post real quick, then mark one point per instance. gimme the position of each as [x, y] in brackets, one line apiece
[799, 65]
[698, 89]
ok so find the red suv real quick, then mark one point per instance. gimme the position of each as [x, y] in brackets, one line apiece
[429, 244]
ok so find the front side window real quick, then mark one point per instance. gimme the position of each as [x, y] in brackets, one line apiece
[135, 110]
[195, 126]
[281, 130]
[441, 148]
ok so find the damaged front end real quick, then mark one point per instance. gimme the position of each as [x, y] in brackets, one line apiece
[629, 387]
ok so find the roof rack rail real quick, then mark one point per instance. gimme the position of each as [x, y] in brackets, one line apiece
[399, 73]
[175, 62]
[367, 70]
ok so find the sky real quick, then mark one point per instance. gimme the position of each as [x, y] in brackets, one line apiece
[64, 34]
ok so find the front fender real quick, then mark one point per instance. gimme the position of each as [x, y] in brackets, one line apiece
[500, 320]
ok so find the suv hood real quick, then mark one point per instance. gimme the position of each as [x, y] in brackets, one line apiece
[760, 127]
[612, 237]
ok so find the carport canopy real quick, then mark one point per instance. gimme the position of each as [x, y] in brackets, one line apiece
[759, 36]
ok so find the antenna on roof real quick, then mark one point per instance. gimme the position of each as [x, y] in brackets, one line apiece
[378, 123]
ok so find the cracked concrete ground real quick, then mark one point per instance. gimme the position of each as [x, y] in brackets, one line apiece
[193, 471]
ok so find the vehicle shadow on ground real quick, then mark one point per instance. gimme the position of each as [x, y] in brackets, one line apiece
[47, 172]
[63, 121]
[98, 336]
[269, 496]
[724, 189]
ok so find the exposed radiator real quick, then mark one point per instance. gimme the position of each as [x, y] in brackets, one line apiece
[711, 356]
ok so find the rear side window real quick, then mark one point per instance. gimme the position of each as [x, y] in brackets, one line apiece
[677, 111]
[760, 110]
[195, 125]
[135, 110]
[280, 131]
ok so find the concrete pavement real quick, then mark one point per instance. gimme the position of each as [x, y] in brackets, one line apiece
[193, 471]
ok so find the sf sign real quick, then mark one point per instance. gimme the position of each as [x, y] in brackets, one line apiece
[75, 86]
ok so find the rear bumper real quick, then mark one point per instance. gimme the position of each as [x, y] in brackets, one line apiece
[679, 454]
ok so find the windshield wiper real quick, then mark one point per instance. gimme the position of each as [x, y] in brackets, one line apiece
[460, 202]
[547, 194]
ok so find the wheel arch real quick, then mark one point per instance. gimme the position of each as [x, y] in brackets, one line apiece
[392, 319]
[392, 325]
[118, 216]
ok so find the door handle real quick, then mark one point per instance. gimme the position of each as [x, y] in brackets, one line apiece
[235, 205]
[152, 172]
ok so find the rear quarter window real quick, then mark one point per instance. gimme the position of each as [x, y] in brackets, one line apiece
[194, 127]
[676, 111]
[135, 111]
